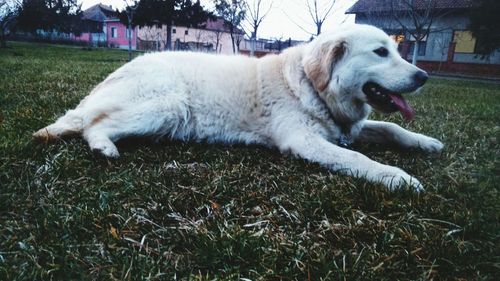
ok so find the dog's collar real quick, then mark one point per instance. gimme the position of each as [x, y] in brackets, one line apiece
[345, 139]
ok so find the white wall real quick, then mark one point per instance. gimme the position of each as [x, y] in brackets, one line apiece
[193, 35]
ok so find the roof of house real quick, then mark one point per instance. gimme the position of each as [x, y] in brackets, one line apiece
[217, 25]
[364, 6]
[100, 12]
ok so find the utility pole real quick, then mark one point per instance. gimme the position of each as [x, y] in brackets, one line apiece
[130, 10]
[254, 17]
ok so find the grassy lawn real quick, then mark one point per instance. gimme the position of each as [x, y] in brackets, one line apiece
[202, 212]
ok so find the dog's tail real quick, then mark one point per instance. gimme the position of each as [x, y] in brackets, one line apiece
[72, 123]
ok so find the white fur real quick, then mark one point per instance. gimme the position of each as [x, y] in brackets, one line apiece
[274, 101]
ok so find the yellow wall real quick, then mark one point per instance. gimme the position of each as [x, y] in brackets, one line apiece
[465, 42]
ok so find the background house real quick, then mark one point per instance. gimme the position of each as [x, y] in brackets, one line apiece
[449, 46]
[267, 46]
[211, 36]
[102, 27]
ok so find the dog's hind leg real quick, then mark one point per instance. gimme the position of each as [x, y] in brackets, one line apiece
[75, 120]
[100, 142]
[93, 126]
[149, 119]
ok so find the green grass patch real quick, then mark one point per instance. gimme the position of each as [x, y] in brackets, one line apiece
[202, 212]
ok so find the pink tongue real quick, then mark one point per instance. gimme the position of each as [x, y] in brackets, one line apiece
[405, 109]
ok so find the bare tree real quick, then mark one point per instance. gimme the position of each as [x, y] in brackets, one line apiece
[416, 18]
[278, 43]
[152, 34]
[238, 37]
[8, 13]
[255, 15]
[131, 7]
[319, 13]
[216, 36]
[200, 36]
[159, 34]
[233, 12]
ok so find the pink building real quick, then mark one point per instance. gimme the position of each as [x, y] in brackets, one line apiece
[102, 27]
[117, 35]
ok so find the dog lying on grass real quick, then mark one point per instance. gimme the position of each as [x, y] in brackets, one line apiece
[312, 100]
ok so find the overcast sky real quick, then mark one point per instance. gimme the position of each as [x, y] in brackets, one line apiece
[287, 18]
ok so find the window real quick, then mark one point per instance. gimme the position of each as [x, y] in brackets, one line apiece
[174, 31]
[464, 41]
[114, 32]
[186, 32]
[421, 48]
[131, 32]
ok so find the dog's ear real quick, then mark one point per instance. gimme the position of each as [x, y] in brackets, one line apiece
[319, 63]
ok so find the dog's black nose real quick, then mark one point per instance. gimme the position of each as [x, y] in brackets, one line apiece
[420, 78]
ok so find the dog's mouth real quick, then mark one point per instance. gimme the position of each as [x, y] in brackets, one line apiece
[387, 101]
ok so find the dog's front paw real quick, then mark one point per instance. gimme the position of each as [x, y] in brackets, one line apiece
[395, 178]
[429, 145]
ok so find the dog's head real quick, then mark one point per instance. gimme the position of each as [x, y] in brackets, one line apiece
[360, 64]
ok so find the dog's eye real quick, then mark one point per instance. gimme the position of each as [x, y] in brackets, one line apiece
[383, 52]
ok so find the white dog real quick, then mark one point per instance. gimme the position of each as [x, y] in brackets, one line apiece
[312, 100]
